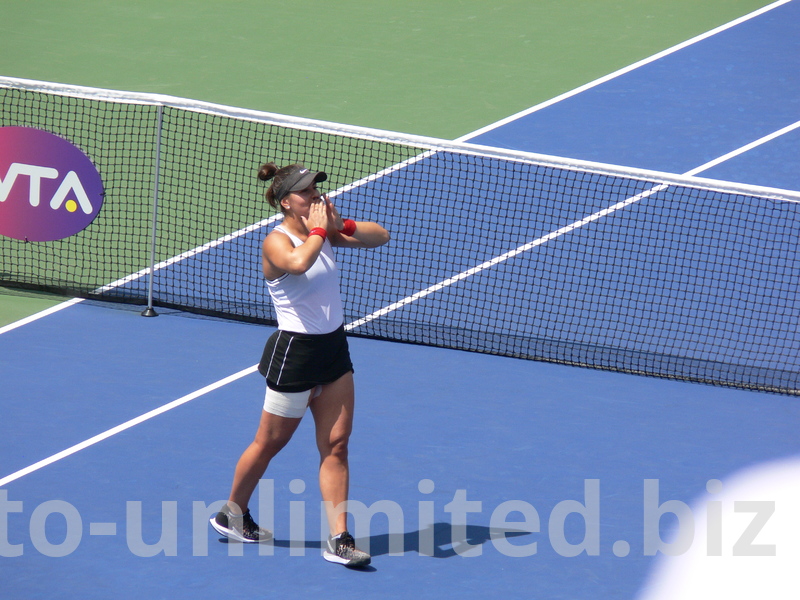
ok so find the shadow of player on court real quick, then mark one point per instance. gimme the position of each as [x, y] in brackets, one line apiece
[440, 540]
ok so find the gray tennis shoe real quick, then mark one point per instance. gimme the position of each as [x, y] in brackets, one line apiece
[240, 528]
[342, 550]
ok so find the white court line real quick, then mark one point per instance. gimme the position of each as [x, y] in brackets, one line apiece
[409, 299]
[504, 257]
[743, 149]
[622, 71]
[126, 425]
[39, 315]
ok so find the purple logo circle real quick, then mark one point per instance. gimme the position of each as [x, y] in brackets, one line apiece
[49, 189]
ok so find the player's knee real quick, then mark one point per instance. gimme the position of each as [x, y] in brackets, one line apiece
[337, 448]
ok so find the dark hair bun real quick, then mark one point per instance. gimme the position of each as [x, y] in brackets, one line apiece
[267, 171]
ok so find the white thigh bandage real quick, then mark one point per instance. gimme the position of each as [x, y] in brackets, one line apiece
[289, 404]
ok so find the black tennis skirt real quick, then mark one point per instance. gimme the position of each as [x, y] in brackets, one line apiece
[296, 362]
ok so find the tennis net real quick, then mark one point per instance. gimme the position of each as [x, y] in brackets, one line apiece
[493, 251]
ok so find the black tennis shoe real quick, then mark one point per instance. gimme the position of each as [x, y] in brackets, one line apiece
[342, 550]
[240, 528]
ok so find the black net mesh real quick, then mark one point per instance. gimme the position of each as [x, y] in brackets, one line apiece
[510, 256]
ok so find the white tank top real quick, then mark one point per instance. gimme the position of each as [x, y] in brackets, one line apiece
[311, 302]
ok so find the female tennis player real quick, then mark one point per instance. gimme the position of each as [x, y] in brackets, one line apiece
[307, 361]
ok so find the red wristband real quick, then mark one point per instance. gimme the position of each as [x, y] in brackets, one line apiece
[349, 227]
[318, 231]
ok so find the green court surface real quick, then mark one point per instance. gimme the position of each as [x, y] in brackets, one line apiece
[441, 69]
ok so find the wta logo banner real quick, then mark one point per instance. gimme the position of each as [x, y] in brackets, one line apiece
[49, 189]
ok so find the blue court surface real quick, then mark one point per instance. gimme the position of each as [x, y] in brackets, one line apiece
[475, 476]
